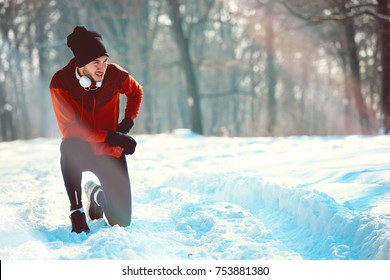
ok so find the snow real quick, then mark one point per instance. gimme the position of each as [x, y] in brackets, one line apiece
[209, 198]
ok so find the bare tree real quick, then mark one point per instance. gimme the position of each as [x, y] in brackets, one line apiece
[384, 23]
[183, 44]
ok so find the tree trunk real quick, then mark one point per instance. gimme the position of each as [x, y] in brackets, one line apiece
[5, 116]
[145, 51]
[385, 49]
[191, 82]
[271, 77]
[355, 82]
[43, 72]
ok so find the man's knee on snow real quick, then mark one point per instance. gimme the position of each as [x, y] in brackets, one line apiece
[122, 220]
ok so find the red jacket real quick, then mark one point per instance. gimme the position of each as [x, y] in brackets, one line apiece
[89, 115]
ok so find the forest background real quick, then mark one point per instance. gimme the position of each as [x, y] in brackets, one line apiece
[218, 67]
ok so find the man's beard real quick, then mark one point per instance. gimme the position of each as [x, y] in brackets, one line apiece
[89, 75]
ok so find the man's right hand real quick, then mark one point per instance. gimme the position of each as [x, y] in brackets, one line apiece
[125, 125]
[127, 142]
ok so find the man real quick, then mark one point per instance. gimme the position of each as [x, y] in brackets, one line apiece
[86, 95]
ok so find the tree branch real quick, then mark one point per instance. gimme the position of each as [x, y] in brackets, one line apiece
[355, 11]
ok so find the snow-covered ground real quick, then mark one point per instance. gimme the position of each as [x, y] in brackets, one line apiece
[211, 198]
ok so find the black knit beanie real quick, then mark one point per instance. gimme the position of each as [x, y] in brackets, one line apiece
[85, 45]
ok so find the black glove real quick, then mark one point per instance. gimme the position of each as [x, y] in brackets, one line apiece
[125, 125]
[122, 140]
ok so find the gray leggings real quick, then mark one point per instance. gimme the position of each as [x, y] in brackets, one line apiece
[77, 157]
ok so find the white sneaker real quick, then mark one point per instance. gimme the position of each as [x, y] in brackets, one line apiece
[94, 209]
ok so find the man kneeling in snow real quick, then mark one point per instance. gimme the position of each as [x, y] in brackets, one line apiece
[85, 95]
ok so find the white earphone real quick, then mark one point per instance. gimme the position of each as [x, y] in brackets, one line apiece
[86, 82]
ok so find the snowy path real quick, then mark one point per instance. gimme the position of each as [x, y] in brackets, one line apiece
[210, 198]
